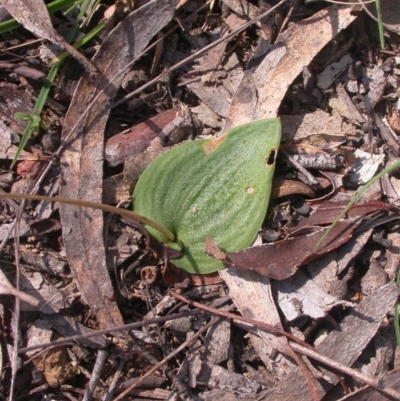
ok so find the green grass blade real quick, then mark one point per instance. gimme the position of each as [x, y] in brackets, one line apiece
[34, 121]
[81, 42]
[380, 25]
[33, 124]
[387, 170]
[77, 3]
[74, 28]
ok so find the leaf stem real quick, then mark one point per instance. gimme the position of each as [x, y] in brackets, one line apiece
[93, 205]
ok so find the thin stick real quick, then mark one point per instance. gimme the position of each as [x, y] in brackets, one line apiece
[307, 375]
[345, 369]
[101, 360]
[259, 325]
[17, 310]
[167, 358]
[289, 14]
[297, 345]
[130, 326]
[93, 205]
[198, 53]
[113, 385]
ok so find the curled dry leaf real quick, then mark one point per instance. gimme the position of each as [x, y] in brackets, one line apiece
[285, 187]
[282, 259]
[169, 127]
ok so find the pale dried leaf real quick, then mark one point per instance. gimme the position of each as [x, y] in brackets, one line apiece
[298, 295]
[33, 15]
[344, 344]
[376, 80]
[252, 294]
[365, 166]
[217, 95]
[316, 123]
[301, 42]
[333, 71]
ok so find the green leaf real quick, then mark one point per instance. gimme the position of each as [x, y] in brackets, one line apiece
[216, 188]
[23, 116]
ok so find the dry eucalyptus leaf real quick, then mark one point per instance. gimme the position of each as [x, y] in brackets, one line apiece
[82, 161]
[298, 295]
[281, 260]
[33, 16]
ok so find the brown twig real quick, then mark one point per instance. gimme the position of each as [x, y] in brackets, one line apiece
[386, 134]
[307, 376]
[124, 327]
[298, 346]
[259, 325]
[345, 369]
[167, 358]
[289, 14]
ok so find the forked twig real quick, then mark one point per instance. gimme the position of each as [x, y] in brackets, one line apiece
[299, 346]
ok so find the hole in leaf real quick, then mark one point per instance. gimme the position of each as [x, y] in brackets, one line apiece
[271, 158]
[249, 190]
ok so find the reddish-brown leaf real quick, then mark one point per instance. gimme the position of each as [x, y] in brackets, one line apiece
[136, 139]
[326, 212]
[282, 259]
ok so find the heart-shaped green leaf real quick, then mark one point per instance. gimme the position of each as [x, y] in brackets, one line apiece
[216, 188]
